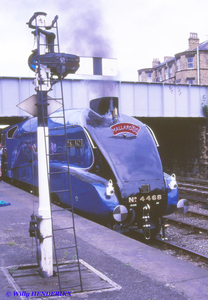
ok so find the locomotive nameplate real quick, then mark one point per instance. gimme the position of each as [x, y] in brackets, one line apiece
[125, 128]
[75, 143]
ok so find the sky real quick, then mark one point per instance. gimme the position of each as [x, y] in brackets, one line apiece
[132, 31]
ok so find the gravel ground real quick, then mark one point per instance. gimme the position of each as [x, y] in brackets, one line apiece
[188, 238]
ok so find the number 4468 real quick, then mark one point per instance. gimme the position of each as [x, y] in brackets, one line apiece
[149, 197]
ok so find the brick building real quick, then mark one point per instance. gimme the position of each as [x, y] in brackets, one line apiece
[187, 67]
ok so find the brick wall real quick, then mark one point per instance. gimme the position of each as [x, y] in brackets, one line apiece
[183, 145]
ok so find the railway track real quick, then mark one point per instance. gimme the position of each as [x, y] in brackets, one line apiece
[166, 245]
[193, 186]
[181, 250]
[186, 225]
[194, 190]
[188, 234]
[197, 214]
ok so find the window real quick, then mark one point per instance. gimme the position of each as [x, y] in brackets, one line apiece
[140, 76]
[166, 73]
[149, 77]
[24, 153]
[79, 147]
[178, 64]
[160, 75]
[190, 62]
[80, 153]
[11, 132]
[101, 166]
[190, 80]
[171, 71]
[3, 139]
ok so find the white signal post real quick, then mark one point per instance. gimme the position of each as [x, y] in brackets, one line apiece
[42, 87]
[42, 62]
[46, 246]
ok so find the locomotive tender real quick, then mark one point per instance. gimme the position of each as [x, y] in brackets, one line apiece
[116, 172]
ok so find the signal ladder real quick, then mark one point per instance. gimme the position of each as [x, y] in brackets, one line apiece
[51, 67]
[66, 236]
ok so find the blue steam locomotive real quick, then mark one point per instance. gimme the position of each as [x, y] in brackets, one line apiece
[116, 172]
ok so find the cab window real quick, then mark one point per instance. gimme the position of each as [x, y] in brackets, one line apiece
[78, 146]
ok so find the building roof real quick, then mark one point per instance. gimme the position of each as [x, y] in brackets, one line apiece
[163, 63]
[202, 46]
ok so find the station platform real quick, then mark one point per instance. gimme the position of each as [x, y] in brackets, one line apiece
[137, 271]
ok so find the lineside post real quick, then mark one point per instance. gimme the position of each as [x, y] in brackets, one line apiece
[42, 83]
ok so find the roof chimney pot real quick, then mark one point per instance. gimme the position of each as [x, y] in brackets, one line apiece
[155, 62]
[193, 40]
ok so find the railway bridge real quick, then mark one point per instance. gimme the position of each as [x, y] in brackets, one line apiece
[176, 113]
[136, 98]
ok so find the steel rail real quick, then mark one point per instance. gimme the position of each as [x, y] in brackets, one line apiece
[184, 224]
[181, 184]
[196, 214]
[193, 198]
[159, 241]
[185, 250]
[194, 191]
[196, 180]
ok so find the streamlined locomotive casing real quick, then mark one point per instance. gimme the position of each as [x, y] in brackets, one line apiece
[115, 167]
